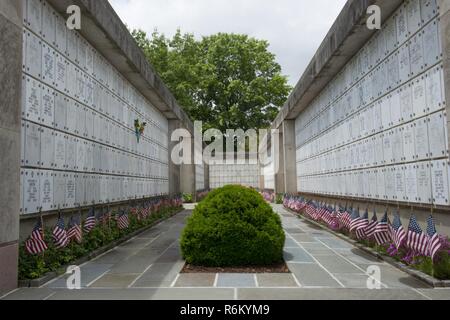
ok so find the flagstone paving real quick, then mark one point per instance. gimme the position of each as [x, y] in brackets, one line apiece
[148, 267]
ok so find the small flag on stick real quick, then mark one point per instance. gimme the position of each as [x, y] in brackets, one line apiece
[36, 244]
[60, 237]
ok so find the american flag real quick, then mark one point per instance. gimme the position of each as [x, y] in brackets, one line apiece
[300, 204]
[324, 212]
[134, 211]
[398, 233]
[362, 225]
[144, 212]
[151, 208]
[382, 234]
[296, 204]
[333, 220]
[311, 210]
[137, 213]
[434, 243]
[59, 234]
[106, 218]
[156, 205]
[74, 232]
[416, 240]
[345, 218]
[289, 202]
[355, 219]
[36, 244]
[286, 201]
[371, 227]
[328, 216]
[318, 213]
[90, 221]
[122, 221]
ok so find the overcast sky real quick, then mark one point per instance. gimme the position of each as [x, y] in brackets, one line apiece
[294, 28]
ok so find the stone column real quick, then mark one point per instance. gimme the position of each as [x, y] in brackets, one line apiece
[279, 160]
[444, 25]
[289, 157]
[187, 173]
[10, 110]
[174, 169]
[206, 170]
[261, 182]
[444, 13]
[187, 179]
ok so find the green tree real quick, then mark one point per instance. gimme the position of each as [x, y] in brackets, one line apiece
[225, 80]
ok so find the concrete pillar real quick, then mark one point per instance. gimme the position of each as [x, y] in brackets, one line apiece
[289, 157]
[10, 109]
[261, 180]
[174, 169]
[206, 170]
[444, 12]
[279, 167]
[187, 173]
[443, 218]
[187, 179]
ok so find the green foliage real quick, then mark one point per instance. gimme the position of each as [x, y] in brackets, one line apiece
[53, 259]
[188, 198]
[424, 264]
[279, 198]
[225, 80]
[201, 195]
[439, 269]
[233, 226]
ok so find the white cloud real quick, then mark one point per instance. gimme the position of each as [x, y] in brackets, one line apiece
[294, 28]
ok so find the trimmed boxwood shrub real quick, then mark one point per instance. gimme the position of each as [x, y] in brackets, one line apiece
[187, 198]
[233, 226]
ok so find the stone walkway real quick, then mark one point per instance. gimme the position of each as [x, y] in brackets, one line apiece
[322, 265]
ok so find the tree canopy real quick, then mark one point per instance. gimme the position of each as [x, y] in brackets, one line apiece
[228, 81]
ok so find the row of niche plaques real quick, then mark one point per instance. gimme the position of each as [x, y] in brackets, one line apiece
[46, 190]
[425, 182]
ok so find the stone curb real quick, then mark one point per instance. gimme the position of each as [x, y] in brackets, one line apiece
[435, 283]
[36, 283]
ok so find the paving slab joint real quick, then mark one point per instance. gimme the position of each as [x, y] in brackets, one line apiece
[36, 283]
[431, 281]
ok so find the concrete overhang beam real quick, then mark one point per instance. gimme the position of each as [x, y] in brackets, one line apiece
[104, 30]
[346, 37]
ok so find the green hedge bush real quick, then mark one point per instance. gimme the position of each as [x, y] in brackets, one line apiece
[188, 198]
[233, 226]
[279, 198]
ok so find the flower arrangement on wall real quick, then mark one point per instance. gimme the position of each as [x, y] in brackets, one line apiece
[139, 128]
